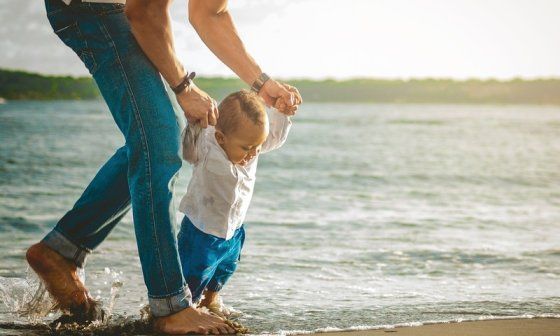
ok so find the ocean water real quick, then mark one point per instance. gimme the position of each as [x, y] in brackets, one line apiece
[370, 215]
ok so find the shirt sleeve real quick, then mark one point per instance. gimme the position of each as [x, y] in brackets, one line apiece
[191, 143]
[279, 128]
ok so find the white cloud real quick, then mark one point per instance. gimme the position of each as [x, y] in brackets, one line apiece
[335, 38]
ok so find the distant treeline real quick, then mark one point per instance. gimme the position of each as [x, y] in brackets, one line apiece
[19, 85]
[16, 85]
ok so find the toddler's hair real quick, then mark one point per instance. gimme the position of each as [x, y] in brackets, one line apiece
[242, 103]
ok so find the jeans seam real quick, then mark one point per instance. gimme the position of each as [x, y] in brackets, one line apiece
[147, 161]
[122, 206]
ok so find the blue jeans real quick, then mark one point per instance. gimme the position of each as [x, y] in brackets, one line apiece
[208, 261]
[140, 174]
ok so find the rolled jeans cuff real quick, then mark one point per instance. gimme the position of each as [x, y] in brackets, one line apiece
[66, 248]
[165, 306]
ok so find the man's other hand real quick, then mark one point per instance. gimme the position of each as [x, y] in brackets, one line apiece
[283, 97]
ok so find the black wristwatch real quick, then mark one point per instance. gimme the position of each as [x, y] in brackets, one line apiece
[186, 82]
[259, 82]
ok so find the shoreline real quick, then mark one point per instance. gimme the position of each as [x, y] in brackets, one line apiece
[538, 326]
[509, 326]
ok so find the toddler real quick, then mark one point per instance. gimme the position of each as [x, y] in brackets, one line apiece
[224, 160]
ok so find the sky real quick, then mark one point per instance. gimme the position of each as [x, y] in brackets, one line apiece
[338, 39]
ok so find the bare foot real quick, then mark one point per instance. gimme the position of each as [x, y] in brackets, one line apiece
[213, 302]
[192, 320]
[61, 280]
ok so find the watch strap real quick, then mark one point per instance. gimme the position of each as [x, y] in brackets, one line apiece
[259, 82]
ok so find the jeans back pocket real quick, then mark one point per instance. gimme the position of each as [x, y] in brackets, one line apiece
[68, 31]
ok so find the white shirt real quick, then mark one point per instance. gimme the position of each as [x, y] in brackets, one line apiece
[219, 192]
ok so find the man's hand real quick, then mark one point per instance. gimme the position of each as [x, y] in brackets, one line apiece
[285, 98]
[198, 106]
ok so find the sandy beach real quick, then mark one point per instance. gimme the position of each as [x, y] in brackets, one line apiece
[516, 327]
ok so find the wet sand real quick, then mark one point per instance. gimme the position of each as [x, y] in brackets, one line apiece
[517, 327]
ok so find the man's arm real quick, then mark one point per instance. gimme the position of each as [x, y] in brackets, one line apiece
[151, 25]
[215, 26]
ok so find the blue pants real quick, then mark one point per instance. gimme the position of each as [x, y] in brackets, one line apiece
[208, 261]
[143, 171]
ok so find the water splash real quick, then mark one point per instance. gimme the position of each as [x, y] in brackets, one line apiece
[114, 278]
[27, 298]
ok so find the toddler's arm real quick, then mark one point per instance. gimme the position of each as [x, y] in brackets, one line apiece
[191, 134]
[279, 128]
[190, 143]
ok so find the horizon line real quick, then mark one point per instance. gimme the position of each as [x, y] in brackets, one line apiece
[335, 79]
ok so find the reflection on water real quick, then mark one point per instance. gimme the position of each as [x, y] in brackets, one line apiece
[370, 215]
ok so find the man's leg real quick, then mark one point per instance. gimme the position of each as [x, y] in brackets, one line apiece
[146, 167]
[137, 99]
[104, 202]
[141, 108]
[56, 258]
[102, 205]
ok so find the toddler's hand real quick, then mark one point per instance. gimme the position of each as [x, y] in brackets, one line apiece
[284, 108]
[285, 98]
[280, 105]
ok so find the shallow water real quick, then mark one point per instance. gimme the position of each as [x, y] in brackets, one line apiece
[370, 215]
